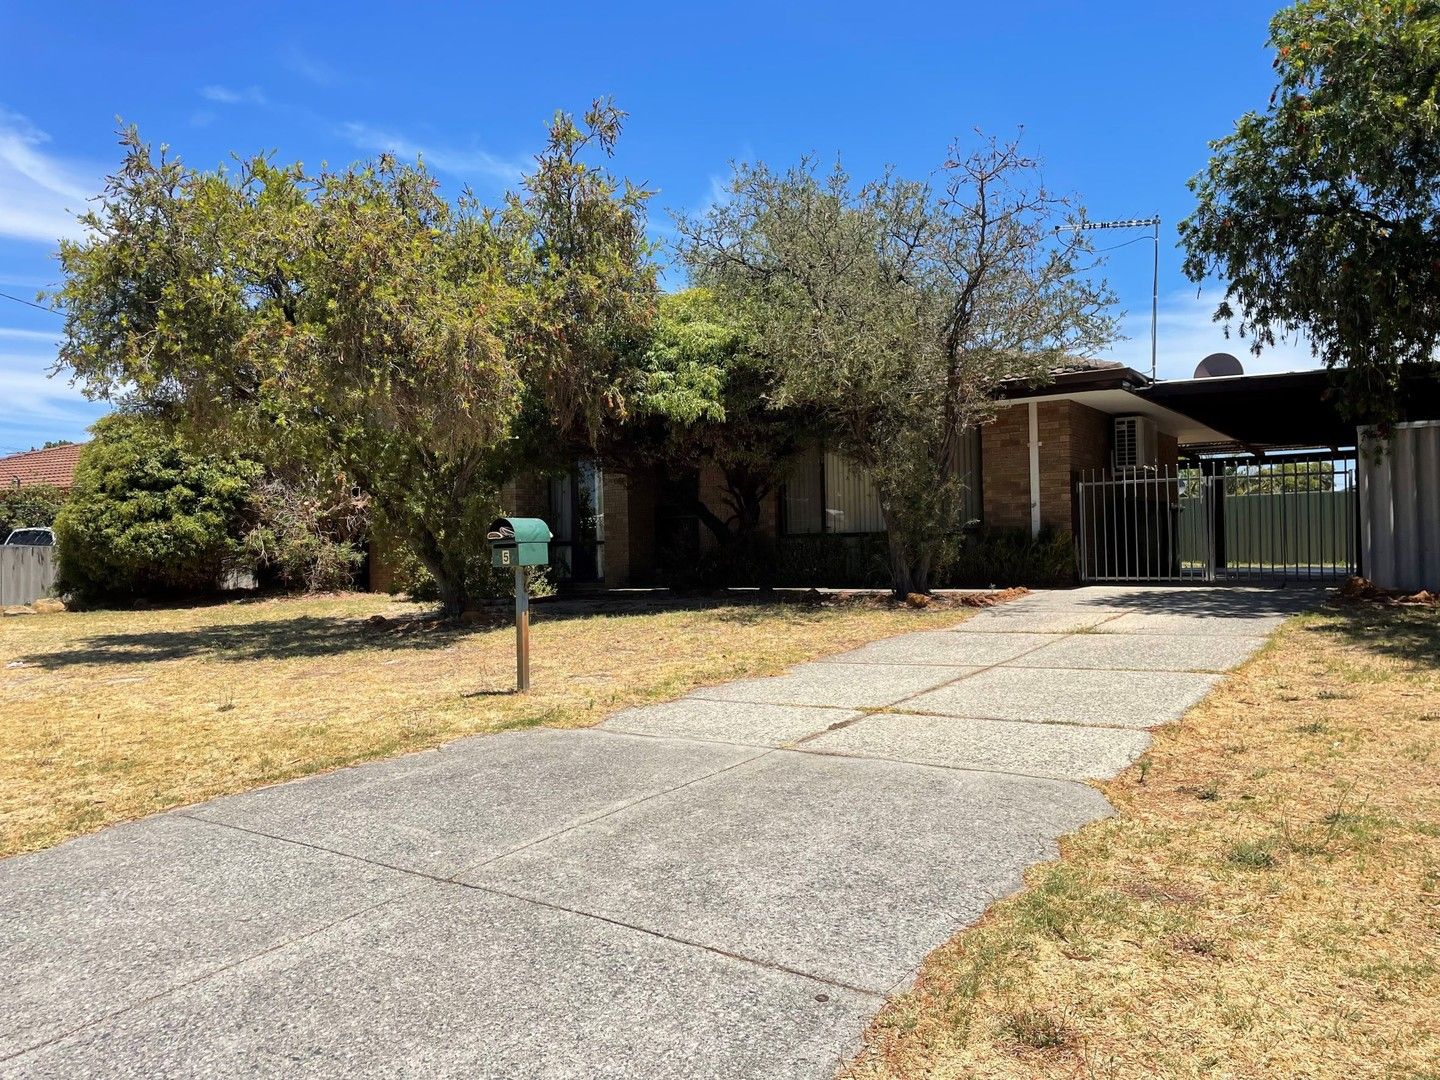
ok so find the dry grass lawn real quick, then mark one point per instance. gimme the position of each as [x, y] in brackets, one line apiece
[113, 715]
[1266, 903]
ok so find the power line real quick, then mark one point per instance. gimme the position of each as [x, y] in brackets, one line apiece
[31, 303]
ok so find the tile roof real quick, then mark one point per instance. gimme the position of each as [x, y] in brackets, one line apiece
[53, 466]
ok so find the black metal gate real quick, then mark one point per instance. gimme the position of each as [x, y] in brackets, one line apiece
[1220, 521]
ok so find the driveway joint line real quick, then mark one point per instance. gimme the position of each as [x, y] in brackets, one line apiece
[769, 965]
[454, 879]
[968, 675]
[228, 966]
[608, 813]
[860, 756]
[1037, 723]
[1112, 667]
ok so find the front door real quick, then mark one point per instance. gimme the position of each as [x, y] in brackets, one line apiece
[577, 513]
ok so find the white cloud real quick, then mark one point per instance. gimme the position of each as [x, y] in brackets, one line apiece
[224, 95]
[1188, 333]
[40, 194]
[46, 337]
[38, 407]
[468, 164]
[307, 67]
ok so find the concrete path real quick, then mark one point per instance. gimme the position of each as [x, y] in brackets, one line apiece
[728, 885]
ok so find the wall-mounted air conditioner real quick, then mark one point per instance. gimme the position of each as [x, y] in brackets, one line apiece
[1135, 444]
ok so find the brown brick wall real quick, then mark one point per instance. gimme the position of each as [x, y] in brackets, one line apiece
[1090, 436]
[617, 528]
[1005, 468]
[527, 496]
[383, 553]
[1072, 437]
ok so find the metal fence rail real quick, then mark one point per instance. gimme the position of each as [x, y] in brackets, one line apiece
[1284, 520]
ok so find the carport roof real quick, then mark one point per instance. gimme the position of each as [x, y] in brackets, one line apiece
[1254, 413]
[1285, 410]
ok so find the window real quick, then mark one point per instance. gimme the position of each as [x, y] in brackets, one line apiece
[804, 494]
[825, 493]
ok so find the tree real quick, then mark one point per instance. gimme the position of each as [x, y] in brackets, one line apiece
[893, 311]
[357, 320]
[1281, 478]
[150, 516]
[34, 505]
[701, 396]
[1321, 213]
[308, 530]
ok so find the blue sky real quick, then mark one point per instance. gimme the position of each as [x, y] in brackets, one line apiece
[1118, 98]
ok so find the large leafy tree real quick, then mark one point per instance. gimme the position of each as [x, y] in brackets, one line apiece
[1322, 212]
[701, 396]
[893, 310]
[359, 320]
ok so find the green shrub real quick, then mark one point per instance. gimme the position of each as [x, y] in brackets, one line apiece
[822, 561]
[488, 582]
[1002, 557]
[1009, 557]
[148, 516]
[29, 507]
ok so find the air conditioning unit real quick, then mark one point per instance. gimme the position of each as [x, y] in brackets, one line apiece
[1135, 443]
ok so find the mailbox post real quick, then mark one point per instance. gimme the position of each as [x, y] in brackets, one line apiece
[518, 543]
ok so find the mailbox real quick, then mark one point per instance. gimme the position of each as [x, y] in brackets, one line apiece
[516, 542]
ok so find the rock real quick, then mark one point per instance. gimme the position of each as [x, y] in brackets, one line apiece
[378, 622]
[19, 609]
[48, 605]
[917, 600]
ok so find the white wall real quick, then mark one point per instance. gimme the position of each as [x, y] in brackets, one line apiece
[1400, 509]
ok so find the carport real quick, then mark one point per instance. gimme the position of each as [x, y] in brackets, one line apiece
[1266, 487]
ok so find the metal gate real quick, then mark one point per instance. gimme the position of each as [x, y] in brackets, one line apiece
[1223, 521]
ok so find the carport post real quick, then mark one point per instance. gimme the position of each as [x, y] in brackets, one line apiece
[522, 632]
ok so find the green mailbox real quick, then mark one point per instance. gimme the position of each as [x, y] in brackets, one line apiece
[519, 542]
[516, 543]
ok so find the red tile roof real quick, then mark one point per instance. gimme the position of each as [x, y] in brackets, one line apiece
[53, 466]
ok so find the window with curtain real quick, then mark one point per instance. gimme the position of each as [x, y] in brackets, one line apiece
[804, 511]
[825, 493]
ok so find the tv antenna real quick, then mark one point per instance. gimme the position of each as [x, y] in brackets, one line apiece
[1134, 223]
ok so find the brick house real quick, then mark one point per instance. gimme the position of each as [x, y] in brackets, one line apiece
[1095, 422]
[617, 531]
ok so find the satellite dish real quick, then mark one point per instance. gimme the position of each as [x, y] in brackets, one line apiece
[1217, 365]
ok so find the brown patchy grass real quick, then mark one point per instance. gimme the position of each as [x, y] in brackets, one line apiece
[1266, 903]
[112, 715]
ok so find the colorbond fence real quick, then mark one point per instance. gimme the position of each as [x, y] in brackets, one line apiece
[26, 573]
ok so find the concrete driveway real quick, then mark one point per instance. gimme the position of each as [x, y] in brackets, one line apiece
[727, 885]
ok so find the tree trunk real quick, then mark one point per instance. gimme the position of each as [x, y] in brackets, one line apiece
[909, 567]
[747, 496]
[450, 587]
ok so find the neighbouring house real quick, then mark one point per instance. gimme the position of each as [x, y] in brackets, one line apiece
[54, 466]
[27, 572]
[1224, 478]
